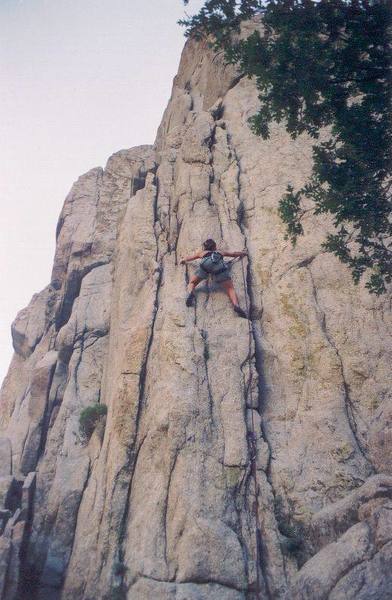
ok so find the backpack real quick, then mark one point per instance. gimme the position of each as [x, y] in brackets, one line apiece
[213, 263]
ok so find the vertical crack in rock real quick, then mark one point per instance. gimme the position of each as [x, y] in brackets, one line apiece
[134, 450]
[130, 470]
[166, 503]
[239, 493]
[85, 485]
[255, 361]
[252, 443]
[72, 291]
[46, 415]
[258, 363]
[349, 409]
[206, 356]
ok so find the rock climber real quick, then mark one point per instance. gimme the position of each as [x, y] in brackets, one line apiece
[212, 264]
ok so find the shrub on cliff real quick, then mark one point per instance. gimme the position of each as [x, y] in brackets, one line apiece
[89, 418]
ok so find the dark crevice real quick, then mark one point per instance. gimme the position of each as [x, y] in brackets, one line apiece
[143, 369]
[126, 473]
[166, 505]
[241, 207]
[85, 485]
[31, 586]
[28, 577]
[178, 228]
[19, 338]
[71, 292]
[259, 367]
[257, 346]
[138, 181]
[235, 81]
[59, 382]
[59, 226]
[78, 363]
[46, 416]
[238, 510]
[206, 356]
[25, 441]
[155, 206]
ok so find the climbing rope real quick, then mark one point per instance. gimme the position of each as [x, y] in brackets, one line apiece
[253, 444]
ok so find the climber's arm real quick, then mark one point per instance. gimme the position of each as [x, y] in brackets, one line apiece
[190, 258]
[234, 254]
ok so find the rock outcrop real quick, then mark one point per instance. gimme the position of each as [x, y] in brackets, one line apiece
[238, 459]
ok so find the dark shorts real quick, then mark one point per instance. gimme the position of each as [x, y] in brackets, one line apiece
[219, 277]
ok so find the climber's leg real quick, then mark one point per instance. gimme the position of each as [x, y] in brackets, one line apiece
[230, 291]
[195, 280]
[228, 286]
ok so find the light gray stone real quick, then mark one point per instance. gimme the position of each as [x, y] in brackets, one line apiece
[36, 405]
[332, 521]
[14, 563]
[144, 589]
[5, 457]
[31, 322]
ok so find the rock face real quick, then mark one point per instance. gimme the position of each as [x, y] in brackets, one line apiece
[239, 459]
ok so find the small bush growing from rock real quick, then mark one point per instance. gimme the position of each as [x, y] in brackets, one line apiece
[293, 539]
[89, 417]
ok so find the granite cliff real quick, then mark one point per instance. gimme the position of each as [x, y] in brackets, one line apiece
[238, 460]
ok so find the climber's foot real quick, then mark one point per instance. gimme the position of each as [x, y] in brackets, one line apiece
[240, 312]
[189, 299]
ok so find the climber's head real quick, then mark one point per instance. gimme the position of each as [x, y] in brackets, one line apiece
[209, 245]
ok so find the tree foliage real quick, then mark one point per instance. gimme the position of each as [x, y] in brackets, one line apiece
[316, 65]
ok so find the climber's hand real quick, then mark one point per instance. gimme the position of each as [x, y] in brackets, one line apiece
[182, 261]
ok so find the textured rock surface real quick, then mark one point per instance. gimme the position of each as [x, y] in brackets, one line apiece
[160, 503]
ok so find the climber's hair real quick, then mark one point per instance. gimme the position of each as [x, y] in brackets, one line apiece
[209, 245]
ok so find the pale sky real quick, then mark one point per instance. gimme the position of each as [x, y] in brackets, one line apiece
[80, 79]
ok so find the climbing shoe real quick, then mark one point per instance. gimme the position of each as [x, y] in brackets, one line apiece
[190, 298]
[240, 312]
